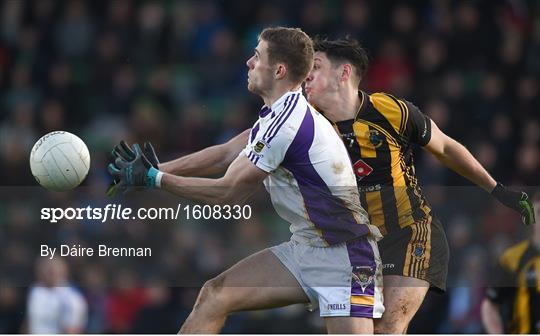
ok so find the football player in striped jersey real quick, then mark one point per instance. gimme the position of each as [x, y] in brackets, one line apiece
[378, 130]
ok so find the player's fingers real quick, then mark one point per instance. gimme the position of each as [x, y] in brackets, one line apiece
[126, 148]
[120, 163]
[148, 147]
[137, 149]
[146, 162]
[526, 208]
[114, 171]
[124, 151]
[527, 212]
[118, 152]
[150, 152]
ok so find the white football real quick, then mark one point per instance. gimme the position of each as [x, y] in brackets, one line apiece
[59, 161]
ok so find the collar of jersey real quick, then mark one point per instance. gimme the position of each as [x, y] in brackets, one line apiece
[363, 97]
[363, 103]
[265, 110]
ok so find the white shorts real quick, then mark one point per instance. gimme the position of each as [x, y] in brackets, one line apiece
[342, 280]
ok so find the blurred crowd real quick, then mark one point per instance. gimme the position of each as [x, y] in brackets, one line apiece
[174, 72]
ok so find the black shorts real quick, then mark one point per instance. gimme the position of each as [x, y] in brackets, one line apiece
[419, 250]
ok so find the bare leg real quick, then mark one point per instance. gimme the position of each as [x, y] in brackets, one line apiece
[259, 281]
[349, 325]
[402, 298]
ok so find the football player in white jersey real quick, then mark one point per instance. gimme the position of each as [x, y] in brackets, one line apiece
[332, 259]
[53, 306]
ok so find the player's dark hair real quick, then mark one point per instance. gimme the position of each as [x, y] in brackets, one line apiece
[292, 47]
[344, 50]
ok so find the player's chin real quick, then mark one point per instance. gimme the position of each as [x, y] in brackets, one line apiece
[252, 87]
[312, 99]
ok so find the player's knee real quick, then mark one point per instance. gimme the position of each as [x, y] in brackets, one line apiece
[211, 296]
[391, 323]
[388, 328]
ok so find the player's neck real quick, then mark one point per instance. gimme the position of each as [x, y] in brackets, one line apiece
[277, 92]
[343, 105]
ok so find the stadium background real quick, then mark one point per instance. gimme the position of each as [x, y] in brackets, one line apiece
[174, 72]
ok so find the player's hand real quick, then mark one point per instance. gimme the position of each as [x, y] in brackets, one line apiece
[123, 151]
[517, 200]
[138, 173]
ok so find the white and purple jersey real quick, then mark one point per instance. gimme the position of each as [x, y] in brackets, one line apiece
[311, 181]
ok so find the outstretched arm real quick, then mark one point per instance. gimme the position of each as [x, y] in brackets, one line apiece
[240, 181]
[458, 158]
[209, 161]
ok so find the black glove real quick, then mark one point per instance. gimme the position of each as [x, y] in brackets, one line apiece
[137, 173]
[517, 200]
[123, 151]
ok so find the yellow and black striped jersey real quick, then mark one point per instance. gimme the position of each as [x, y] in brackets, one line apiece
[379, 143]
[517, 288]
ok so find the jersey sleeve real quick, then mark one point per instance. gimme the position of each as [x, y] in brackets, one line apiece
[405, 118]
[268, 148]
[417, 125]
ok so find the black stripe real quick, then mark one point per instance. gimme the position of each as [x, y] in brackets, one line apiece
[423, 241]
[364, 100]
[363, 201]
[428, 236]
[389, 206]
[388, 195]
[414, 200]
[534, 301]
[534, 295]
[534, 310]
[405, 117]
[429, 225]
[527, 255]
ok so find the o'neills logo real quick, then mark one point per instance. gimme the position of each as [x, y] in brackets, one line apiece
[336, 306]
[45, 137]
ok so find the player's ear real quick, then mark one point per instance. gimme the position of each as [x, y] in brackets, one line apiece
[280, 71]
[346, 72]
